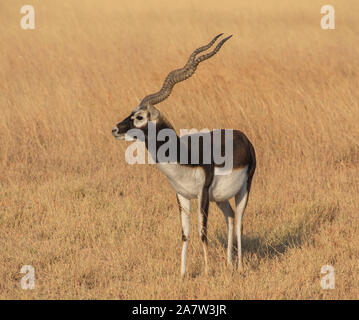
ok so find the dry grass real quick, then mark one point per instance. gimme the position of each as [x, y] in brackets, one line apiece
[95, 227]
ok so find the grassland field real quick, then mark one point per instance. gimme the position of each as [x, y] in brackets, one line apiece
[95, 227]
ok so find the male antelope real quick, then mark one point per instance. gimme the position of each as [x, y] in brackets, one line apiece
[198, 180]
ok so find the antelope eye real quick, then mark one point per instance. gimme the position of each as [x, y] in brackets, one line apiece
[139, 118]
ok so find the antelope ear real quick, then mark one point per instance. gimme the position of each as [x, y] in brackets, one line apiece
[154, 113]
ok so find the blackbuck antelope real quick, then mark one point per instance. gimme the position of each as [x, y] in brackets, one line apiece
[201, 179]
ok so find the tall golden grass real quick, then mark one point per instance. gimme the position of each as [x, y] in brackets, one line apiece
[94, 226]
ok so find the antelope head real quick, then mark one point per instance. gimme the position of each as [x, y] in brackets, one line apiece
[146, 111]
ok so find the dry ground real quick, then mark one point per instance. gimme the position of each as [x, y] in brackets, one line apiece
[95, 227]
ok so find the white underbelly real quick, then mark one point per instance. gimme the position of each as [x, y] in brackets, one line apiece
[225, 187]
[187, 181]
